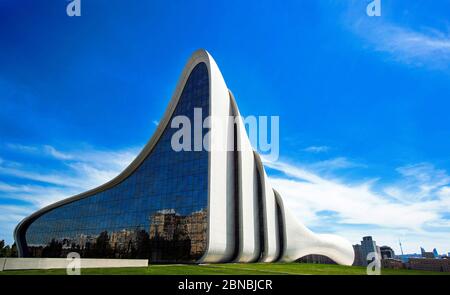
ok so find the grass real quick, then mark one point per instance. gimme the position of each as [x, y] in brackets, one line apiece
[229, 269]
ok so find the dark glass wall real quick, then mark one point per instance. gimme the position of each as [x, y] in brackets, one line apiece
[159, 212]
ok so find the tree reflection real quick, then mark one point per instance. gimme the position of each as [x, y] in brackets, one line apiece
[171, 237]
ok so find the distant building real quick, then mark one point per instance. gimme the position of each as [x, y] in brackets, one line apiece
[164, 224]
[423, 254]
[368, 245]
[313, 258]
[429, 264]
[167, 225]
[426, 254]
[392, 263]
[358, 255]
[122, 239]
[387, 252]
[405, 257]
[436, 254]
[389, 259]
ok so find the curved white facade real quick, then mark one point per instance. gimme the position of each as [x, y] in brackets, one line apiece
[246, 218]
[282, 237]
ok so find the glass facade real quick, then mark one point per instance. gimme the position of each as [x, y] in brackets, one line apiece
[159, 212]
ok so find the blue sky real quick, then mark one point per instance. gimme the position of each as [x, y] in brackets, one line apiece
[363, 102]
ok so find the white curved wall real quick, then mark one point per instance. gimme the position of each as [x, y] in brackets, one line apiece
[281, 224]
[249, 250]
[300, 241]
[221, 178]
[271, 243]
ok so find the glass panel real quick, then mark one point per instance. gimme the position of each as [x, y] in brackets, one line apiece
[159, 212]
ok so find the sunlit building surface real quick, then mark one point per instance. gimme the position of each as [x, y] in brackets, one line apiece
[183, 206]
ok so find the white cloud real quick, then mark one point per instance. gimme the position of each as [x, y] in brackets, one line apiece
[14, 213]
[85, 169]
[56, 154]
[444, 192]
[83, 159]
[10, 215]
[424, 47]
[360, 206]
[37, 196]
[425, 174]
[422, 181]
[334, 164]
[317, 149]
[4, 187]
[414, 47]
[22, 148]
[62, 179]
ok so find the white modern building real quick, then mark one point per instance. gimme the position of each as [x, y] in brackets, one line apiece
[183, 206]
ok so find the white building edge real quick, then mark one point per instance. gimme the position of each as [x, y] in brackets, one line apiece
[247, 221]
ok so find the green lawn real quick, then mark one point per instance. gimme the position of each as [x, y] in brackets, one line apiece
[229, 269]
